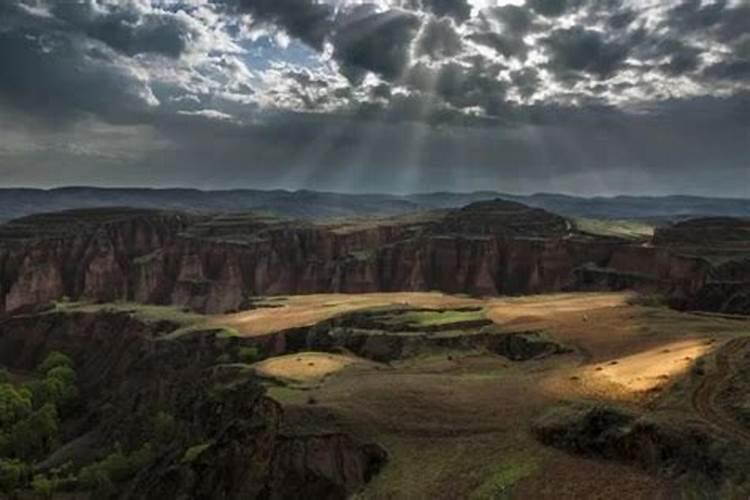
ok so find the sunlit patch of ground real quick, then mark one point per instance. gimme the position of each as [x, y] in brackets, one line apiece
[305, 367]
[631, 378]
[539, 311]
[646, 370]
[303, 310]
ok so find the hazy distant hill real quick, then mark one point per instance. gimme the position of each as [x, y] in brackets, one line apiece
[314, 204]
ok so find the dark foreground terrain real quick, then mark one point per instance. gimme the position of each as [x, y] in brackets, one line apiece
[161, 354]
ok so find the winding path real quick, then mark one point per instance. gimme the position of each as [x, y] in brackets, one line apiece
[705, 395]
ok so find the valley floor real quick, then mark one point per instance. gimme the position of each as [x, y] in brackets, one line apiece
[457, 424]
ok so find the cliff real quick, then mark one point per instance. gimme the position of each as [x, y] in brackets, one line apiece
[217, 264]
[722, 245]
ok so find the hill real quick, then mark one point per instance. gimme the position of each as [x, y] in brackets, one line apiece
[307, 204]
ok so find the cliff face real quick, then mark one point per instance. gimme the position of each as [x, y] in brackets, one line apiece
[466, 252]
[722, 246]
[78, 254]
[217, 264]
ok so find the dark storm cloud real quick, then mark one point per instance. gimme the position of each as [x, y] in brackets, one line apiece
[667, 150]
[128, 28]
[364, 39]
[514, 23]
[717, 22]
[734, 70]
[514, 19]
[720, 20]
[553, 8]
[508, 46]
[462, 86]
[457, 9]
[384, 47]
[58, 73]
[439, 40]
[621, 19]
[580, 50]
[526, 81]
[307, 20]
[674, 56]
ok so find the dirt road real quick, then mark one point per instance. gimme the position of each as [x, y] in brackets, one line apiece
[704, 398]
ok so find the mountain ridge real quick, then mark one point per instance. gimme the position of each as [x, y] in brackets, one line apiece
[309, 204]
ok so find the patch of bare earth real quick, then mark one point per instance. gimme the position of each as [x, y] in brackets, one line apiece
[306, 367]
[304, 310]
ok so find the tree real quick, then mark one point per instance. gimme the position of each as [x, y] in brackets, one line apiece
[53, 360]
[14, 405]
[12, 474]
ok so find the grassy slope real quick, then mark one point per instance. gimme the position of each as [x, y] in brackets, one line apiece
[184, 321]
[628, 229]
[437, 318]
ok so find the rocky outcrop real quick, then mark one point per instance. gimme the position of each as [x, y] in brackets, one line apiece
[378, 337]
[329, 466]
[670, 444]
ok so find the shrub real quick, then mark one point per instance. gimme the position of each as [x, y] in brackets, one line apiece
[649, 300]
[42, 486]
[54, 360]
[12, 474]
[194, 452]
[96, 479]
[116, 467]
[164, 428]
[248, 355]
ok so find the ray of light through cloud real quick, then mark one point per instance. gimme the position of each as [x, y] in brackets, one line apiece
[429, 94]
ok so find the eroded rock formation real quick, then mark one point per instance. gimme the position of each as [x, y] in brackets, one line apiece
[216, 264]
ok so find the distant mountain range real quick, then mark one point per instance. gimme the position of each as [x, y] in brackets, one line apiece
[322, 205]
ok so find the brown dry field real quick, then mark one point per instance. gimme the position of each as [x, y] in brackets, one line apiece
[305, 367]
[458, 427]
[304, 310]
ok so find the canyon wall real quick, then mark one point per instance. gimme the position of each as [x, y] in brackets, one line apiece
[218, 265]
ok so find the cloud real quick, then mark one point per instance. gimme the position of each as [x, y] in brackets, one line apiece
[307, 20]
[211, 114]
[375, 41]
[553, 8]
[129, 27]
[734, 70]
[537, 93]
[439, 40]
[581, 50]
[457, 9]
[59, 73]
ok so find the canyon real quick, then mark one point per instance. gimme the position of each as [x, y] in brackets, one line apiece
[249, 355]
[217, 264]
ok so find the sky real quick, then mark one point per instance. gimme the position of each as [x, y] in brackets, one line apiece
[590, 97]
